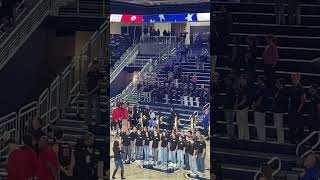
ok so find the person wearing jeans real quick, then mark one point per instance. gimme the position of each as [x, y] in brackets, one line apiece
[164, 148]
[133, 136]
[279, 107]
[180, 153]
[126, 146]
[173, 148]
[193, 158]
[259, 107]
[139, 146]
[201, 154]
[242, 106]
[155, 145]
[117, 160]
[147, 140]
[187, 149]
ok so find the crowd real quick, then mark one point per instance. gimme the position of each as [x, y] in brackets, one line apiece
[150, 31]
[48, 156]
[138, 144]
[118, 46]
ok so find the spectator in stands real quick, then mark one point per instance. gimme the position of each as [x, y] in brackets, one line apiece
[294, 11]
[155, 145]
[93, 97]
[279, 108]
[116, 117]
[315, 107]
[125, 116]
[270, 59]
[15, 160]
[251, 56]
[65, 157]
[259, 107]
[194, 79]
[206, 123]
[30, 158]
[204, 56]
[117, 159]
[297, 101]
[311, 170]
[266, 172]
[132, 138]
[158, 32]
[242, 107]
[49, 166]
[279, 11]
[228, 105]
[84, 157]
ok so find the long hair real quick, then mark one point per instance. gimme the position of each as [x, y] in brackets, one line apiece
[116, 145]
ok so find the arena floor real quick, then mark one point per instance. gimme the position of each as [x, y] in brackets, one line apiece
[135, 172]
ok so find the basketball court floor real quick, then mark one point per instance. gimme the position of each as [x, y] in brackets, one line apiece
[135, 172]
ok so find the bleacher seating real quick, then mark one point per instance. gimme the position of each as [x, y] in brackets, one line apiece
[118, 46]
[297, 48]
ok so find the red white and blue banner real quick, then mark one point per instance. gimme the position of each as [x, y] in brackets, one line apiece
[187, 17]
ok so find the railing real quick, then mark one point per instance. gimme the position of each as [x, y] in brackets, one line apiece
[206, 107]
[139, 63]
[92, 9]
[162, 40]
[125, 59]
[275, 172]
[305, 140]
[23, 30]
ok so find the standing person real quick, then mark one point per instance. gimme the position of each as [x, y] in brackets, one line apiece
[270, 58]
[147, 138]
[133, 137]
[279, 11]
[48, 161]
[181, 152]
[30, 158]
[280, 107]
[259, 107]
[15, 161]
[36, 132]
[201, 154]
[155, 145]
[126, 145]
[173, 142]
[125, 116]
[94, 80]
[194, 79]
[139, 146]
[117, 160]
[228, 106]
[187, 150]
[164, 148]
[297, 100]
[135, 116]
[193, 158]
[242, 107]
[315, 107]
[84, 158]
[65, 157]
[116, 112]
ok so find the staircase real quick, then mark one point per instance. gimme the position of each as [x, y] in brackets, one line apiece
[297, 48]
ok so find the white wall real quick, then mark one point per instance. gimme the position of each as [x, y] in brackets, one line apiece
[189, 24]
[115, 27]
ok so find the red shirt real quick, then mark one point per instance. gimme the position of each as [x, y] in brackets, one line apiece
[15, 165]
[47, 158]
[125, 113]
[30, 162]
[116, 113]
[271, 54]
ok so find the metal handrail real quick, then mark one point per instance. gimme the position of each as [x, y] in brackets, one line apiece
[206, 107]
[306, 140]
[275, 172]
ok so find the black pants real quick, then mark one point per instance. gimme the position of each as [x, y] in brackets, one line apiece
[296, 127]
[269, 74]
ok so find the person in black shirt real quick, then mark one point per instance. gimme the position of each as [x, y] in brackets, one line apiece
[126, 145]
[228, 105]
[180, 152]
[146, 138]
[117, 160]
[279, 108]
[164, 148]
[259, 107]
[201, 147]
[133, 135]
[173, 148]
[297, 100]
[139, 146]
[187, 149]
[315, 107]
[242, 106]
[155, 145]
[193, 157]
[94, 80]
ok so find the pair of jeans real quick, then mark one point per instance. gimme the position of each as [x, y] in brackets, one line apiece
[180, 158]
[260, 120]
[146, 153]
[126, 153]
[200, 163]
[95, 100]
[155, 154]
[193, 164]
[164, 155]
[173, 157]
[242, 122]
[278, 123]
[139, 150]
[118, 163]
[186, 162]
[133, 149]
[229, 116]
